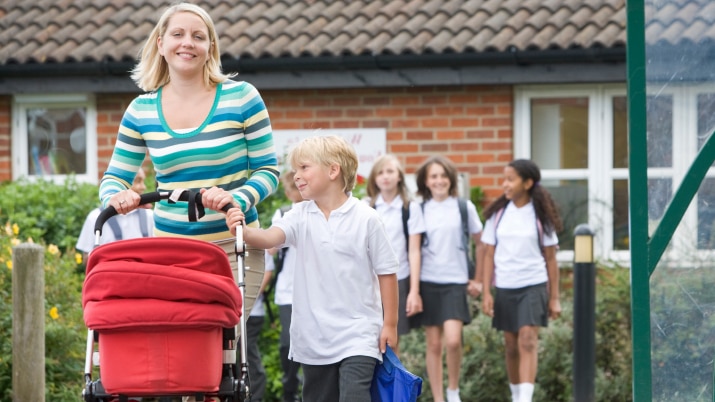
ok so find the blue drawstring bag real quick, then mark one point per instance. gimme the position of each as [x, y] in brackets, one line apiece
[392, 382]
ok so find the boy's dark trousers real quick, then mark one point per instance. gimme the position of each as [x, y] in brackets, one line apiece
[290, 379]
[256, 371]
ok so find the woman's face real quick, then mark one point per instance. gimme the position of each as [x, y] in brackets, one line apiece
[388, 177]
[185, 45]
[438, 182]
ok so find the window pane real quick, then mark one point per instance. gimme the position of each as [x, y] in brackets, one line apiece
[620, 132]
[660, 192]
[660, 130]
[706, 117]
[559, 133]
[571, 196]
[706, 215]
[621, 235]
[56, 141]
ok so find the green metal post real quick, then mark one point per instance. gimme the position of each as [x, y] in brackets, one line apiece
[638, 201]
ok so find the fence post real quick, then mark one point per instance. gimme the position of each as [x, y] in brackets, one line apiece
[584, 311]
[28, 323]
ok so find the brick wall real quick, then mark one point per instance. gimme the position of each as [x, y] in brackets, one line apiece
[470, 125]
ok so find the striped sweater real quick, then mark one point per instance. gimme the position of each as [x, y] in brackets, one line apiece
[232, 149]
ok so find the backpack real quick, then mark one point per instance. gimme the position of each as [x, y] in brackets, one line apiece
[143, 225]
[466, 245]
[405, 218]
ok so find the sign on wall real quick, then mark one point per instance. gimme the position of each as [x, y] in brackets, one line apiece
[369, 144]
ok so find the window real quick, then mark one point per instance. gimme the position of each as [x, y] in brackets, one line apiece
[578, 136]
[54, 136]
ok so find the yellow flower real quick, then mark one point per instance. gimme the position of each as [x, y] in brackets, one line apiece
[15, 241]
[52, 249]
[15, 229]
[54, 314]
[29, 240]
[9, 264]
[8, 229]
[78, 258]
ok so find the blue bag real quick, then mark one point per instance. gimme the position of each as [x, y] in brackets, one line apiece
[392, 382]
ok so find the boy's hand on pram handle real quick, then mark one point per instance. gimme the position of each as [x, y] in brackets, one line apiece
[234, 217]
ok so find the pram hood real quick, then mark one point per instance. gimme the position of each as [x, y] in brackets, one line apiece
[159, 282]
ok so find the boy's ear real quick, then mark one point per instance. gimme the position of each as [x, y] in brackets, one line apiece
[334, 171]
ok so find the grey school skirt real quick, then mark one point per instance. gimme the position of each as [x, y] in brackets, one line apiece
[516, 308]
[442, 302]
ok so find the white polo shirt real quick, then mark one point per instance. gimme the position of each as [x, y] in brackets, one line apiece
[337, 308]
[443, 258]
[391, 215]
[518, 261]
[284, 283]
[129, 224]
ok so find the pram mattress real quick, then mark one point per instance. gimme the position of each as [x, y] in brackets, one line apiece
[159, 305]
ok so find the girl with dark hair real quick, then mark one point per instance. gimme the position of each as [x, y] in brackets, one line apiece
[444, 279]
[521, 258]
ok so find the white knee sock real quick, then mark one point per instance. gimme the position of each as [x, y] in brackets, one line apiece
[526, 391]
[514, 392]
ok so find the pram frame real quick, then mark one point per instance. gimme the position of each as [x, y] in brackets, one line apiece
[232, 388]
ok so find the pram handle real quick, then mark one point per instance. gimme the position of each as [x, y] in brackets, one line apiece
[150, 198]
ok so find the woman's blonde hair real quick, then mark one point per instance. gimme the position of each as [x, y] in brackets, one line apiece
[152, 72]
[373, 190]
[326, 151]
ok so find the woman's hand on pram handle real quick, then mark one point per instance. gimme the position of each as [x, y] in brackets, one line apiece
[125, 201]
[234, 217]
[217, 199]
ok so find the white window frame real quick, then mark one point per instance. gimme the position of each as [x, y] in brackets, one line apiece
[600, 172]
[20, 162]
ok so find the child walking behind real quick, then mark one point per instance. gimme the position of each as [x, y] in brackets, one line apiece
[388, 194]
[520, 249]
[445, 278]
[346, 281]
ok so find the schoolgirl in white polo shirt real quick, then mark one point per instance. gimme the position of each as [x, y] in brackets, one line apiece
[345, 287]
[388, 194]
[444, 278]
[520, 249]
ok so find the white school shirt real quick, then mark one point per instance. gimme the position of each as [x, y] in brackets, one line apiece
[129, 225]
[258, 309]
[284, 283]
[391, 215]
[518, 261]
[443, 258]
[337, 308]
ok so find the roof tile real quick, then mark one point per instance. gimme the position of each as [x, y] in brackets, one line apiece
[94, 30]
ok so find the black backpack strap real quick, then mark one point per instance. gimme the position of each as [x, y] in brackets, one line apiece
[425, 240]
[465, 234]
[405, 218]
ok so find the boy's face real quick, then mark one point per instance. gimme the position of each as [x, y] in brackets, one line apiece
[138, 185]
[311, 179]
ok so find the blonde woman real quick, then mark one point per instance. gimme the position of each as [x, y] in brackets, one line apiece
[202, 130]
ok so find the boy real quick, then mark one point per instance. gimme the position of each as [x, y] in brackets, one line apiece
[345, 288]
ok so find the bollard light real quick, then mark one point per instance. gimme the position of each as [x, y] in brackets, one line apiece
[583, 244]
[584, 311]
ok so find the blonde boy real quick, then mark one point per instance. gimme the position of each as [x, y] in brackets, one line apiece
[345, 287]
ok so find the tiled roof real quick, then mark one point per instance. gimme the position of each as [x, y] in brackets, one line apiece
[112, 30]
[67, 31]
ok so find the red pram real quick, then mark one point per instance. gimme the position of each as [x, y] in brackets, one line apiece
[163, 312]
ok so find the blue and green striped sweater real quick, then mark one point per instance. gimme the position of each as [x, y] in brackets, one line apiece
[232, 149]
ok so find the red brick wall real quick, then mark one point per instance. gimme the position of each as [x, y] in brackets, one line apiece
[5, 138]
[470, 125]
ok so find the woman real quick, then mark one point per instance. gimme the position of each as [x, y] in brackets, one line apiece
[202, 130]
